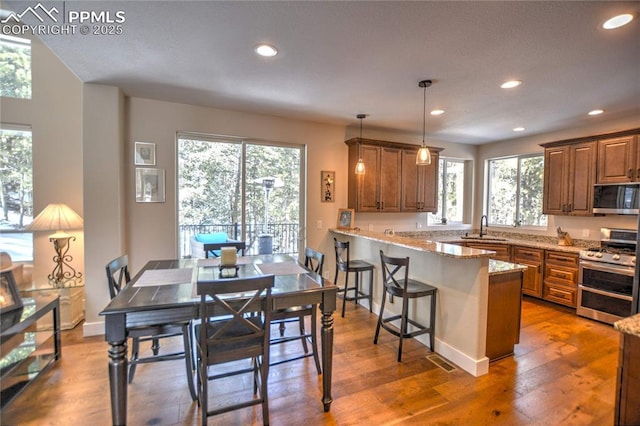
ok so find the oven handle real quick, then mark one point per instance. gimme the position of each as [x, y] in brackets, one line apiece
[623, 270]
[605, 293]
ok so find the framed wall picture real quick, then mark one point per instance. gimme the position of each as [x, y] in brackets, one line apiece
[327, 186]
[345, 218]
[145, 154]
[150, 185]
[10, 299]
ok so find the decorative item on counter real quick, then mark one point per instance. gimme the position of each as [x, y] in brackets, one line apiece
[388, 231]
[228, 260]
[564, 239]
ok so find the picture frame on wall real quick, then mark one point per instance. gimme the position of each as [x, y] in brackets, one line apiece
[345, 218]
[327, 186]
[150, 186]
[145, 154]
[10, 299]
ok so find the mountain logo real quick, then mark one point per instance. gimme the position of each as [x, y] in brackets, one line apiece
[38, 11]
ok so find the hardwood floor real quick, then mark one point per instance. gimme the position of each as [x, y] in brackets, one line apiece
[563, 372]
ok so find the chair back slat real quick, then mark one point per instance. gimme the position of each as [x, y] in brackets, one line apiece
[342, 254]
[118, 275]
[392, 271]
[313, 260]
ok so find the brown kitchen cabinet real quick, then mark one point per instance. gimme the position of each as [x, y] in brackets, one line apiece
[619, 160]
[532, 278]
[503, 314]
[560, 284]
[569, 175]
[419, 194]
[503, 251]
[628, 382]
[385, 182]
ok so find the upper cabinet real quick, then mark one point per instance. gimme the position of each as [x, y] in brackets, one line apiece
[619, 160]
[569, 175]
[392, 181]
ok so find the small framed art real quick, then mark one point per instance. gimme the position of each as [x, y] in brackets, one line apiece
[150, 185]
[345, 218]
[327, 186]
[145, 154]
[10, 299]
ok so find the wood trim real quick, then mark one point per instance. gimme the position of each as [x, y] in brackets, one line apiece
[591, 138]
[388, 144]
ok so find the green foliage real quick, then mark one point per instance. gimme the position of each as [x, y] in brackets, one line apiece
[15, 70]
[16, 177]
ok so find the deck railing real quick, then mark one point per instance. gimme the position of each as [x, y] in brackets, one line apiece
[285, 236]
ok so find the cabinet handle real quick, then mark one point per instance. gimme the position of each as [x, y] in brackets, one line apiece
[629, 173]
[539, 269]
[564, 207]
[637, 173]
[570, 208]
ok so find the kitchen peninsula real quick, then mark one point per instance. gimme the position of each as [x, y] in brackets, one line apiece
[462, 276]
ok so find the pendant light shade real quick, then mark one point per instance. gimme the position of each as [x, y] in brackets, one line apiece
[360, 170]
[424, 156]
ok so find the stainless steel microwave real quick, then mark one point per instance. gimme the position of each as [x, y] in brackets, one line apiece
[618, 198]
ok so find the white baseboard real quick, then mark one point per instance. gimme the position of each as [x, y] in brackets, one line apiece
[93, 328]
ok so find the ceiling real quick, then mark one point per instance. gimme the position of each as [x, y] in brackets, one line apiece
[341, 58]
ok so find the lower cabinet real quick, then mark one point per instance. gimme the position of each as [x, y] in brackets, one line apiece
[560, 278]
[503, 314]
[534, 259]
[628, 382]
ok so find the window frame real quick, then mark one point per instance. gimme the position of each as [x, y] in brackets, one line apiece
[487, 191]
[442, 171]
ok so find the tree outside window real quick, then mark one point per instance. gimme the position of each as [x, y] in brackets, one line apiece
[15, 67]
[514, 196]
[450, 192]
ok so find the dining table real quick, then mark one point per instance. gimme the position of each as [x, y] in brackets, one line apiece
[164, 291]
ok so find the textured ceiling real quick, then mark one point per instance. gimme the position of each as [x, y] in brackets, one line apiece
[337, 59]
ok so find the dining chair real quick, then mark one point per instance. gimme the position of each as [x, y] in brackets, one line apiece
[314, 262]
[235, 319]
[118, 277]
[358, 267]
[396, 281]
[213, 249]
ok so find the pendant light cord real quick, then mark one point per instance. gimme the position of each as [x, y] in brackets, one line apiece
[424, 112]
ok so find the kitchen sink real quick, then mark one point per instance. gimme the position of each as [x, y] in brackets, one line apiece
[483, 238]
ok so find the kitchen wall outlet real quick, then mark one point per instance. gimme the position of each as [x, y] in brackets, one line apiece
[319, 224]
[585, 232]
[371, 227]
[418, 225]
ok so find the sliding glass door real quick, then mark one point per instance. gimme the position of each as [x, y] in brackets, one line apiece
[250, 190]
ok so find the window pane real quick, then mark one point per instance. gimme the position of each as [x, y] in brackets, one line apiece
[502, 191]
[454, 190]
[15, 67]
[531, 186]
[16, 178]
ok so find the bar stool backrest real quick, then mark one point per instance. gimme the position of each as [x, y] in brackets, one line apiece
[342, 255]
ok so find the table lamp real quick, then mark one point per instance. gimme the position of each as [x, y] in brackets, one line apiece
[59, 218]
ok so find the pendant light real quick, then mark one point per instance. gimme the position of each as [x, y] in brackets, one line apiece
[424, 156]
[360, 164]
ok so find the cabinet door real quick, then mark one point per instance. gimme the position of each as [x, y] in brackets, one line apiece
[428, 175]
[410, 181]
[556, 171]
[390, 179]
[503, 251]
[582, 170]
[533, 259]
[368, 187]
[616, 160]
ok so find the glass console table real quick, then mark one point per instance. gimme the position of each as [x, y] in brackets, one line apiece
[71, 299]
[29, 344]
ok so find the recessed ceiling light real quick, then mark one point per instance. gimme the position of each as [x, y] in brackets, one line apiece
[266, 50]
[617, 21]
[511, 84]
[437, 112]
[518, 129]
[596, 112]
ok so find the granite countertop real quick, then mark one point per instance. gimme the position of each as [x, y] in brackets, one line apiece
[630, 325]
[499, 267]
[420, 244]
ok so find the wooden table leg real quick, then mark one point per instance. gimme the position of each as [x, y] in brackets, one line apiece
[116, 337]
[327, 306]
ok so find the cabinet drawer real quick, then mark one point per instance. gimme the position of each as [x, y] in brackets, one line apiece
[524, 253]
[502, 251]
[569, 260]
[560, 294]
[566, 276]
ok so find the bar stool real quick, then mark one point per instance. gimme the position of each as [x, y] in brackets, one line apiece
[344, 264]
[397, 285]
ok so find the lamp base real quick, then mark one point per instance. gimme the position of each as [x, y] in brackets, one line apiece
[63, 271]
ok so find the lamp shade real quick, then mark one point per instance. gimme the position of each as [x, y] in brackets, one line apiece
[56, 217]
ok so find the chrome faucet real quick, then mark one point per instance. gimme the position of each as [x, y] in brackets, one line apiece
[486, 224]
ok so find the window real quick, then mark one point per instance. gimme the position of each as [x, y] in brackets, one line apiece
[16, 196]
[450, 192]
[15, 67]
[515, 188]
[250, 190]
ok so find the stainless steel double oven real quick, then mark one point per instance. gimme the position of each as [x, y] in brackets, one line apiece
[606, 277]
